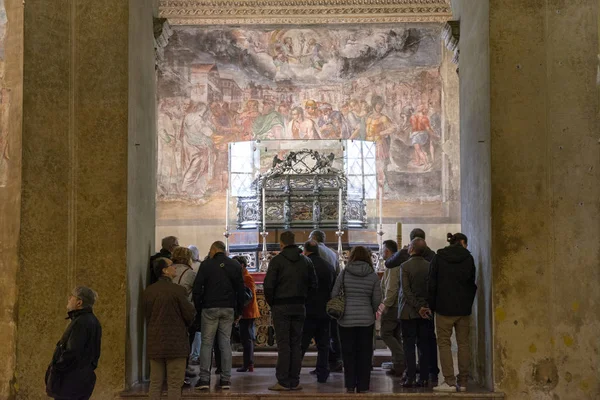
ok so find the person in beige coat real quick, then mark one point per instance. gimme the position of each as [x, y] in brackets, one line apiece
[391, 332]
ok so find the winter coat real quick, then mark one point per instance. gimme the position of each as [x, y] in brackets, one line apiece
[390, 286]
[289, 277]
[219, 284]
[414, 275]
[452, 285]
[318, 298]
[71, 372]
[330, 256]
[362, 291]
[185, 276]
[169, 314]
[251, 311]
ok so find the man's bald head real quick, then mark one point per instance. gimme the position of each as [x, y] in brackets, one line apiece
[417, 247]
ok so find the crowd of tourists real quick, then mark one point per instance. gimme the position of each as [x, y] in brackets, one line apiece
[193, 306]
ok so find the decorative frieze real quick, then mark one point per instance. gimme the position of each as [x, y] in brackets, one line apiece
[238, 12]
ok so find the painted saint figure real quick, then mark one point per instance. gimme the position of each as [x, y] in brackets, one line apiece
[300, 127]
[198, 153]
[270, 124]
[379, 127]
[420, 135]
[247, 119]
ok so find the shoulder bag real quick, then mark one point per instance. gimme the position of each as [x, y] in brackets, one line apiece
[336, 306]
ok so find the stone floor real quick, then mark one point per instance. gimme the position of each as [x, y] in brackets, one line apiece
[253, 385]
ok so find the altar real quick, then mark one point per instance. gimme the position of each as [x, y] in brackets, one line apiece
[279, 185]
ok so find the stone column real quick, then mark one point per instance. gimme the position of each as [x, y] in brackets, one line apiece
[11, 101]
[546, 197]
[88, 167]
[530, 169]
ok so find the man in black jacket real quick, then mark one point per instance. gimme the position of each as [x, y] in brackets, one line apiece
[452, 290]
[219, 296]
[316, 324]
[289, 278]
[168, 244]
[71, 374]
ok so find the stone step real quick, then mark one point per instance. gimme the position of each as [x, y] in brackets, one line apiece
[254, 386]
[268, 359]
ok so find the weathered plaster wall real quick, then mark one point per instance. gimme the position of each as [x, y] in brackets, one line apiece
[11, 101]
[141, 192]
[75, 181]
[546, 198]
[475, 170]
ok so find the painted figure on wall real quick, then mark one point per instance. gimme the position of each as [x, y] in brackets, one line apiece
[421, 135]
[379, 127]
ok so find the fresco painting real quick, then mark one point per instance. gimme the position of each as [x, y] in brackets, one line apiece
[222, 85]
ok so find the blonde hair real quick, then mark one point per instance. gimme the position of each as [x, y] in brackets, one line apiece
[182, 255]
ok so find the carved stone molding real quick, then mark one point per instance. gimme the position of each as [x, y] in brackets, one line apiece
[451, 37]
[162, 33]
[240, 12]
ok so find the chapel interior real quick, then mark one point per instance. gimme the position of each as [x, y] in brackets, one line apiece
[123, 122]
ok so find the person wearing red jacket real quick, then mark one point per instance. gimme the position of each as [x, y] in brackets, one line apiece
[249, 314]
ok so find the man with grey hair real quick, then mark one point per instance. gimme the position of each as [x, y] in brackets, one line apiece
[168, 244]
[70, 374]
[335, 351]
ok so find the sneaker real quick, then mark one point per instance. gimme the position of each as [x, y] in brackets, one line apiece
[297, 387]
[225, 385]
[444, 387]
[313, 372]
[462, 388]
[243, 369]
[278, 388]
[194, 361]
[202, 386]
[187, 382]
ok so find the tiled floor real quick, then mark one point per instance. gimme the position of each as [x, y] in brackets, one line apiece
[254, 386]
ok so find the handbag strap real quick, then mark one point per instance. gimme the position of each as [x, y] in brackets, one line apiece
[182, 274]
[343, 289]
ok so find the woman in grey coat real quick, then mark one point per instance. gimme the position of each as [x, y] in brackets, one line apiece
[363, 296]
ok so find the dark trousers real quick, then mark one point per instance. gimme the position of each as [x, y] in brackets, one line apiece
[217, 353]
[433, 354]
[191, 336]
[417, 332]
[357, 353]
[247, 338]
[318, 328]
[288, 320]
[335, 349]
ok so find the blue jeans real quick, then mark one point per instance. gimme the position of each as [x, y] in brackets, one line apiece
[196, 345]
[216, 321]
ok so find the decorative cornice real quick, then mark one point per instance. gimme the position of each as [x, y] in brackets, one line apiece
[261, 12]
